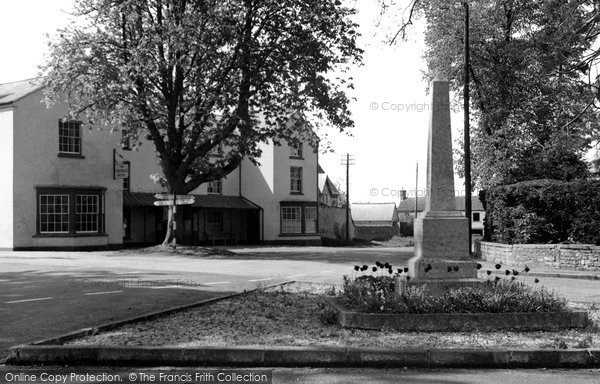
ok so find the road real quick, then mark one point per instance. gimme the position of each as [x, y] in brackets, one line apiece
[335, 376]
[45, 294]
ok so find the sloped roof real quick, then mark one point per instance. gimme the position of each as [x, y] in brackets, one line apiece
[147, 199]
[11, 92]
[325, 182]
[408, 205]
[374, 212]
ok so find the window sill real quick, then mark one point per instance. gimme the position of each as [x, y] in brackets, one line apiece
[296, 193]
[70, 235]
[71, 155]
[297, 157]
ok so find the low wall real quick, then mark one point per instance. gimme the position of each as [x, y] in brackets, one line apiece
[560, 256]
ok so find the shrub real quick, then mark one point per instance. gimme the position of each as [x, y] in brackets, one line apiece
[543, 211]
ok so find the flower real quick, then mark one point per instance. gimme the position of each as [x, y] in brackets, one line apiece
[507, 272]
[386, 265]
[374, 269]
[455, 268]
[479, 266]
[390, 270]
[526, 268]
[365, 267]
[536, 280]
[498, 266]
[489, 273]
[449, 269]
[515, 272]
[377, 263]
[399, 271]
[512, 278]
[497, 278]
[405, 270]
[407, 278]
[356, 268]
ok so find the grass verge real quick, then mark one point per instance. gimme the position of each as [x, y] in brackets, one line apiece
[294, 315]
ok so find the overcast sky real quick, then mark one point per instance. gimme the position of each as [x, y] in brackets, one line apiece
[391, 111]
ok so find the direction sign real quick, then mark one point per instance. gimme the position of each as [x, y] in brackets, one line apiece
[178, 201]
[168, 196]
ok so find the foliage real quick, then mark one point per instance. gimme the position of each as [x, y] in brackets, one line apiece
[194, 76]
[534, 89]
[376, 294]
[543, 211]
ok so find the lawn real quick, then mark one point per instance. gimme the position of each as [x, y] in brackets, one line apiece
[292, 316]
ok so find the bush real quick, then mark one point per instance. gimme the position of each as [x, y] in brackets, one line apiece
[376, 295]
[543, 211]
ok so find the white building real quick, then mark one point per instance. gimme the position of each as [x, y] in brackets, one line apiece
[60, 190]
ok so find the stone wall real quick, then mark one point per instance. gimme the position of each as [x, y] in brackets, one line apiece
[332, 222]
[560, 256]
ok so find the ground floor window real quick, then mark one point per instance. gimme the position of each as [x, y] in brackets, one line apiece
[70, 211]
[310, 219]
[214, 221]
[298, 218]
[54, 213]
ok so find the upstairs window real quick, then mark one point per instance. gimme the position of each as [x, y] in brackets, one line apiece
[215, 187]
[296, 150]
[125, 140]
[69, 138]
[296, 180]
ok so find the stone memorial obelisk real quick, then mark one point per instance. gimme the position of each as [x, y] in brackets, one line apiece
[442, 254]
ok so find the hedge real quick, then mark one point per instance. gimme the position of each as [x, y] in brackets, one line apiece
[543, 211]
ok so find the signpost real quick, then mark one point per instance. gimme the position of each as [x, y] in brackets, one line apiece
[172, 201]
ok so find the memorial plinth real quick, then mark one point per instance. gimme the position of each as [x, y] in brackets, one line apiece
[442, 255]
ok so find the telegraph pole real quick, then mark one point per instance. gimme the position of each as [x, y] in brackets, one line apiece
[467, 138]
[348, 161]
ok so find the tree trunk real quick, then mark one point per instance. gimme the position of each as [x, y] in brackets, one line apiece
[170, 221]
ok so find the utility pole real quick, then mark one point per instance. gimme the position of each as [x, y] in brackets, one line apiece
[417, 191]
[467, 138]
[348, 161]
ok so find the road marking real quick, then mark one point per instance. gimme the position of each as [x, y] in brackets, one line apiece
[255, 280]
[218, 282]
[26, 300]
[102, 293]
[291, 277]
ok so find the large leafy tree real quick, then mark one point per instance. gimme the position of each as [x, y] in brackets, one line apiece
[535, 89]
[191, 75]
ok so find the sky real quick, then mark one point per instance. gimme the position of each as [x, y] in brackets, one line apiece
[391, 110]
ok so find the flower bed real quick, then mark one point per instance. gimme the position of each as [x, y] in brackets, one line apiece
[370, 301]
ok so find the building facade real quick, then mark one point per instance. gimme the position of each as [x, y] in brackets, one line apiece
[61, 189]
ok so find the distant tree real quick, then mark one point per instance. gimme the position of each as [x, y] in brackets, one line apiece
[192, 75]
[535, 91]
